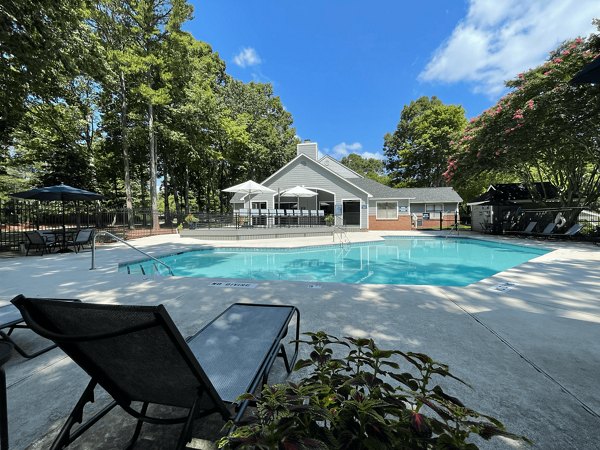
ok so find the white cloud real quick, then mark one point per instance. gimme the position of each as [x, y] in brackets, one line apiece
[368, 155]
[499, 39]
[247, 57]
[342, 149]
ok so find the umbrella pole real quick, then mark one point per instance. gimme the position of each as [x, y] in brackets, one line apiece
[63, 225]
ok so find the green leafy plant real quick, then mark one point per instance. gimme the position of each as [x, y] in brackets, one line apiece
[365, 400]
[329, 220]
[190, 218]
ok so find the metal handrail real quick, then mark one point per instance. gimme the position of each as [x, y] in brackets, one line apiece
[453, 228]
[342, 234]
[106, 233]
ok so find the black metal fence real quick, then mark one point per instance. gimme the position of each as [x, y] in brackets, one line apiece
[18, 216]
[508, 219]
[267, 218]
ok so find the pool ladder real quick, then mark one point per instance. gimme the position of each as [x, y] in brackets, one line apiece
[454, 229]
[343, 239]
[106, 233]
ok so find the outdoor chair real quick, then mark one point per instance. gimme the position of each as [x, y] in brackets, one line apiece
[37, 241]
[527, 231]
[137, 354]
[575, 229]
[11, 318]
[546, 232]
[83, 237]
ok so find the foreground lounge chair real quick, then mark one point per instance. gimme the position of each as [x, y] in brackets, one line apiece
[83, 237]
[137, 355]
[11, 318]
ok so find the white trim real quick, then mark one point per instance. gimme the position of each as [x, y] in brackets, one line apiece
[385, 218]
[320, 165]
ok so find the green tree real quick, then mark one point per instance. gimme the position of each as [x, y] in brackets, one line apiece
[57, 141]
[41, 41]
[417, 152]
[543, 130]
[369, 167]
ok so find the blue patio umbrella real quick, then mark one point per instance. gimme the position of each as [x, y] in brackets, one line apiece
[62, 193]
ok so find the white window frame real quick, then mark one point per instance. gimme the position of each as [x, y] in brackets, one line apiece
[386, 218]
[434, 210]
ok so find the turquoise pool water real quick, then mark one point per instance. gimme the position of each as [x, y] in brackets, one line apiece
[409, 261]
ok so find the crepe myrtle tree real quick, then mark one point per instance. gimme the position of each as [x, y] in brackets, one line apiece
[544, 129]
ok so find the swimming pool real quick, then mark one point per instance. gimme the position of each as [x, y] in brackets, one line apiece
[398, 260]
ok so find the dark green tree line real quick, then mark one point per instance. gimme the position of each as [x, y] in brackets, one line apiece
[131, 100]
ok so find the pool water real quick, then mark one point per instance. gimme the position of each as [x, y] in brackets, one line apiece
[407, 261]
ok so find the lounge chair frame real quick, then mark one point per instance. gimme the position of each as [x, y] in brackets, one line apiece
[17, 321]
[81, 239]
[206, 390]
[35, 240]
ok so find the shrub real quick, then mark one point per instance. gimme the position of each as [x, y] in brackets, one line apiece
[190, 218]
[364, 400]
[329, 220]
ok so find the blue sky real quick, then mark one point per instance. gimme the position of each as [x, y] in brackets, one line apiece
[345, 69]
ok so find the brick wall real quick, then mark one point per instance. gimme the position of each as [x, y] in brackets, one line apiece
[403, 223]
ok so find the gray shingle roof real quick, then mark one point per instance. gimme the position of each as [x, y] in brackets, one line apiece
[376, 189]
[432, 194]
[417, 195]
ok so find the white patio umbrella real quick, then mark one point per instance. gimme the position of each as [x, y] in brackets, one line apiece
[249, 187]
[298, 192]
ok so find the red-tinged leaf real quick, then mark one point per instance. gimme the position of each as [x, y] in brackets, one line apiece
[419, 425]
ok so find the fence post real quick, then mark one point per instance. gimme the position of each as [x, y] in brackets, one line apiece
[441, 220]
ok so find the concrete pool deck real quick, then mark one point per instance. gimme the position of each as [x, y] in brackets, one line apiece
[531, 353]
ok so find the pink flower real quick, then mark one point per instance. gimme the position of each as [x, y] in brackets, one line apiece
[530, 103]
[565, 52]
[521, 76]
[579, 40]
[473, 119]
[557, 60]
[547, 72]
[497, 152]
[478, 155]
[518, 114]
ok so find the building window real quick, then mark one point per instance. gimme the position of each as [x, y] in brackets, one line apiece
[387, 210]
[434, 207]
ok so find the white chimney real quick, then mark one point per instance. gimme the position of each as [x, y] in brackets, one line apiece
[307, 148]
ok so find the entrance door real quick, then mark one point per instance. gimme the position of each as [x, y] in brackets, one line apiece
[351, 213]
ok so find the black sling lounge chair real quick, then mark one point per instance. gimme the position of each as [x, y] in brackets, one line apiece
[137, 355]
[83, 237]
[37, 241]
[10, 317]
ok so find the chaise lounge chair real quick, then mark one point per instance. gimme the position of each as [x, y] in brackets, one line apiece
[11, 318]
[37, 241]
[546, 232]
[137, 355]
[569, 233]
[527, 231]
[83, 237]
